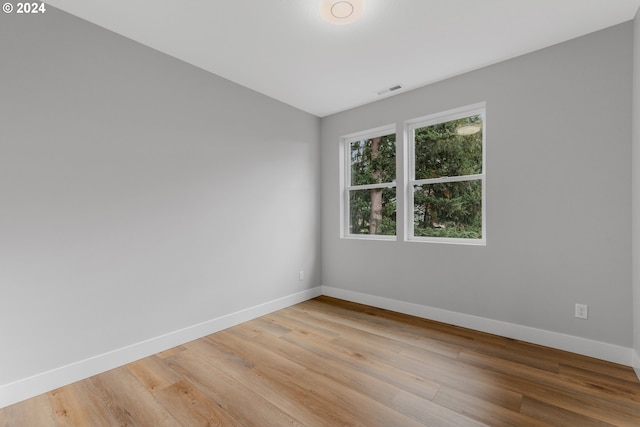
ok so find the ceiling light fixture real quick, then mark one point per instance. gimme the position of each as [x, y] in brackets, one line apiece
[341, 12]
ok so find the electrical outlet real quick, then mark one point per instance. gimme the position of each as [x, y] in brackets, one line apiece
[582, 311]
[301, 275]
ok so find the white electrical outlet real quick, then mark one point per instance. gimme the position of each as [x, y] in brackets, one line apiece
[301, 275]
[582, 311]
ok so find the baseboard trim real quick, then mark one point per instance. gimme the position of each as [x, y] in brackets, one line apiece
[46, 381]
[636, 363]
[587, 347]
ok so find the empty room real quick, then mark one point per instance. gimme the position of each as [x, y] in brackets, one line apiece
[320, 213]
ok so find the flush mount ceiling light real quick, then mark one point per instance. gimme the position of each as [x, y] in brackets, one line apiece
[341, 12]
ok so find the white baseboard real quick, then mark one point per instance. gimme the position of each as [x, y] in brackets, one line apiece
[587, 347]
[41, 383]
[636, 363]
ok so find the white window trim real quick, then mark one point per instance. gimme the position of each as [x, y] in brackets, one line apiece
[345, 178]
[433, 119]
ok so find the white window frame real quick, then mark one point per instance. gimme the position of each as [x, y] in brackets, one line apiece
[345, 181]
[409, 138]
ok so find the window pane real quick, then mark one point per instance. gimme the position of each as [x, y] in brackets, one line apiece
[450, 209]
[373, 211]
[373, 160]
[452, 148]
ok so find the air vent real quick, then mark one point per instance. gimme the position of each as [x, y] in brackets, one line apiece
[390, 89]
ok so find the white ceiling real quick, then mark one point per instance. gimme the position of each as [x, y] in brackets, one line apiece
[283, 49]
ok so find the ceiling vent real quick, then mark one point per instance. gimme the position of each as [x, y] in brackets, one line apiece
[390, 89]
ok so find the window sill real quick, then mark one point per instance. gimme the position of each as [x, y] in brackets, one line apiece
[448, 241]
[370, 237]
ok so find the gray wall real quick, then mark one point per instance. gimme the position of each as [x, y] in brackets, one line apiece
[636, 192]
[138, 194]
[558, 186]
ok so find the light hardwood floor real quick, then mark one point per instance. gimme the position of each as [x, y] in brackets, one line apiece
[327, 362]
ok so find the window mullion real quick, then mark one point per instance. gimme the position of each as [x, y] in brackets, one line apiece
[408, 175]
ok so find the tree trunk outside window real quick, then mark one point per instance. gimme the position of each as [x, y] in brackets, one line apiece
[376, 193]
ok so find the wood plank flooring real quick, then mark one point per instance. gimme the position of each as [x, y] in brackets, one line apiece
[327, 362]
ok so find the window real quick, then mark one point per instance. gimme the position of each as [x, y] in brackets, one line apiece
[446, 176]
[440, 172]
[369, 204]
